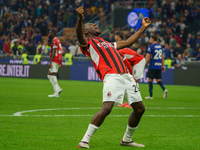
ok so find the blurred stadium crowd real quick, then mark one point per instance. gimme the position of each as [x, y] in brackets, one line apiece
[24, 23]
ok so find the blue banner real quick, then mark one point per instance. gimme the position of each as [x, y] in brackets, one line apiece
[85, 71]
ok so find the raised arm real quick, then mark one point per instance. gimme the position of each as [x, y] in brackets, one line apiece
[145, 23]
[79, 27]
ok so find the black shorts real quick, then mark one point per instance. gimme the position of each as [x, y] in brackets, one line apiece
[154, 74]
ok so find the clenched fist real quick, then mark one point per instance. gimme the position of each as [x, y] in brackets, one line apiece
[146, 22]
[80, 11]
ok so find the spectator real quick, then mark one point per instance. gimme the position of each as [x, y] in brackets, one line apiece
[37, 37]
[37, 57]
[197, 41]
[73, 48]
[54, 19]
[190, 51]
[178, 50]
[168, 62]
[167, 51]
[20, 48]
[59, 25]
[198, 54]
[183, 36]
[68, 58]
[65, 18]
[7, 49]
[45, 48]
[32, 48]
[190, 40]
[172, 41]
[178, 61]
[25, 58]
[39, 46]
[51, 12]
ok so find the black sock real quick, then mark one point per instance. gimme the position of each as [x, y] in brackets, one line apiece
[161, 85]
[151, 89]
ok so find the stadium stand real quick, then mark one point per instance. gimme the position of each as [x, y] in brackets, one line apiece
[23, 22]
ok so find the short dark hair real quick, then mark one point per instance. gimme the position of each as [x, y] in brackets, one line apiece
[154, 37]
[53, 31]
[119, 34]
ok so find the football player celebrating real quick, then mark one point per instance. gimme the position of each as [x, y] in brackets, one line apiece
[112, 71]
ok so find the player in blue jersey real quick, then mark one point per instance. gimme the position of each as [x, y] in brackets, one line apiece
[156, 64]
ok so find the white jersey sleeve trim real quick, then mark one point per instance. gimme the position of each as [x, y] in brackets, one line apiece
[115, 45]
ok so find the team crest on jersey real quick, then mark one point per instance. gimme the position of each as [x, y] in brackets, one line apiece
[109, 94]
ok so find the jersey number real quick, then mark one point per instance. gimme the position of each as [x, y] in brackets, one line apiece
[59, 51]
[136, 88]
[158, 54]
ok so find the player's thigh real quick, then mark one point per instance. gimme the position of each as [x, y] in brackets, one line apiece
[158, 74]
[138, 69]
[54, 68]
[113, 88]
[151, 74]
[132, 93]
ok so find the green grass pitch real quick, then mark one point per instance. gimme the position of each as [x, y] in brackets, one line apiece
[29, 120]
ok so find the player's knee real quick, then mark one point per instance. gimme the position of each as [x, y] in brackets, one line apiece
[140, 110]
[106, 110]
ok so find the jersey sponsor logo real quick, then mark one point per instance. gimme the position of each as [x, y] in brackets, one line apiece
[105, 44]
[158, 64]
[102, 53]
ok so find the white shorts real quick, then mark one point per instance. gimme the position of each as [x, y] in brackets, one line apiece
[138, 69]
[116, 87]
[54, 68]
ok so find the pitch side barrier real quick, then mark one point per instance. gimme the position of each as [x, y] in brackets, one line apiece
[84, 71]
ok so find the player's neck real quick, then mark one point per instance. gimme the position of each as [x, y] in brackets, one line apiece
[91, 36]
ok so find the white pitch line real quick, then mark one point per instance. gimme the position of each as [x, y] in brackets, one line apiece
[36, 110]
[162, 116]
[26, 111]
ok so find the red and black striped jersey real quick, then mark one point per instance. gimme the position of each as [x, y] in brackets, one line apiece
[105, 57]
[58, 56]
[132, 56]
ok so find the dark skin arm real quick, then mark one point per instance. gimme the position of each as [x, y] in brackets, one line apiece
[52, 57]
[148, 56]
[163, 67]
[122, 44]
[79, 27]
